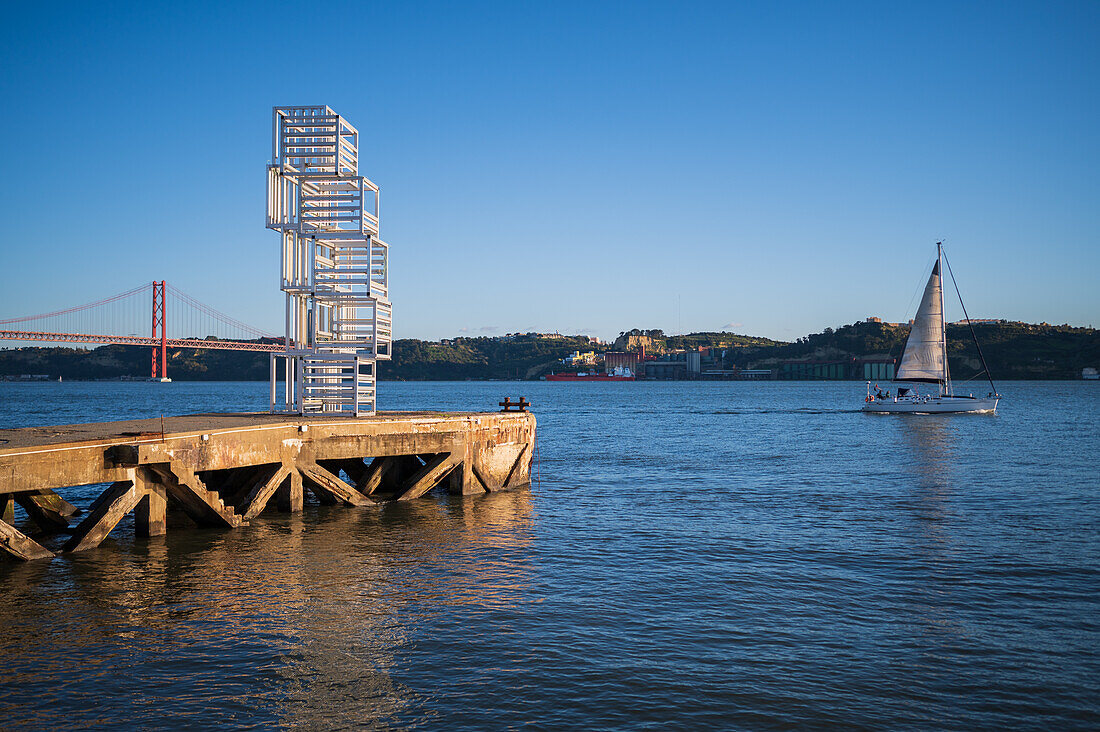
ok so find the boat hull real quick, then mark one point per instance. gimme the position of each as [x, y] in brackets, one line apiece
[933, 405]
[573, 377]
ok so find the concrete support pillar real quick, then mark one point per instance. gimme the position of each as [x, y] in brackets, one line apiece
[7, 507]
[290, 494]
[150, 513]
[462, 481]
[455, 479]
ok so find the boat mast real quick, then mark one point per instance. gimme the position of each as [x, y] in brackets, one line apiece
[945, 387]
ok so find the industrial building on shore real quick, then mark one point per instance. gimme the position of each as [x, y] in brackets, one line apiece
[715, 364]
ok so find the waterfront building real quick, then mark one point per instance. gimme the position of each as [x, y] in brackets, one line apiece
[623, 359]
[860, 369]
[674, 365]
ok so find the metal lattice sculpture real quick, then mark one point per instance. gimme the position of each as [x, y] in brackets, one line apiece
[335, 268]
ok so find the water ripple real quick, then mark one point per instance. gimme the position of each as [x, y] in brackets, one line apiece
[736, 555]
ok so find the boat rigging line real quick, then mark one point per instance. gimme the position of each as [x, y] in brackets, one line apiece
[973, 334]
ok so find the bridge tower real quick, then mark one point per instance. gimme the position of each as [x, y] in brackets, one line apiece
[160, 351]
[334, 265]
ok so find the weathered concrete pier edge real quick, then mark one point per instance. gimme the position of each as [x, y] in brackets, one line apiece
[224, 469]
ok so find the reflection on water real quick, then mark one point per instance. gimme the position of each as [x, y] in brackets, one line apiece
[318, 605]
[931, 442]
[927, 452]
[698, 555]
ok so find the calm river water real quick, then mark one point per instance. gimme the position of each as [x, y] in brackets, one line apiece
[694, 556]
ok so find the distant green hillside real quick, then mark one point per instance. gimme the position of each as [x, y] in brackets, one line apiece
[523, 357]
[107, 362]
[1014, 351]
[719, 340]
[858, 339]
[1025, 351]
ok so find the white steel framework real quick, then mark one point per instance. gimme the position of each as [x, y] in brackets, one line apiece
[334, 268]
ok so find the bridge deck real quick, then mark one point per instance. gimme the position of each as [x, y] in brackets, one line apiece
[224, 469]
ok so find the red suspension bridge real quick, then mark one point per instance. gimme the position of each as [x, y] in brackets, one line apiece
[193, 325]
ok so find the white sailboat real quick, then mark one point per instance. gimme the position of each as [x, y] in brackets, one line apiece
[925, 361]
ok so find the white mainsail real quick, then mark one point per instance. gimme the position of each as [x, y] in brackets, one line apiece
[923, 359]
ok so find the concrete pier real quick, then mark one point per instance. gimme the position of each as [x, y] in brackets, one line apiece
[225, 469]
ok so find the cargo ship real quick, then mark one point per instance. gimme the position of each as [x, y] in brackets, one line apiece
[619, 374]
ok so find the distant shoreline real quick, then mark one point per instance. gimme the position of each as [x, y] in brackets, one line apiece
[870, 348]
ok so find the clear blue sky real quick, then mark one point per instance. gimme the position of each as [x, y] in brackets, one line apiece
[769, 168]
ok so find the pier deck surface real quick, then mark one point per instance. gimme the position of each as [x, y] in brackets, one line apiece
[223, 469]
[146, 430]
